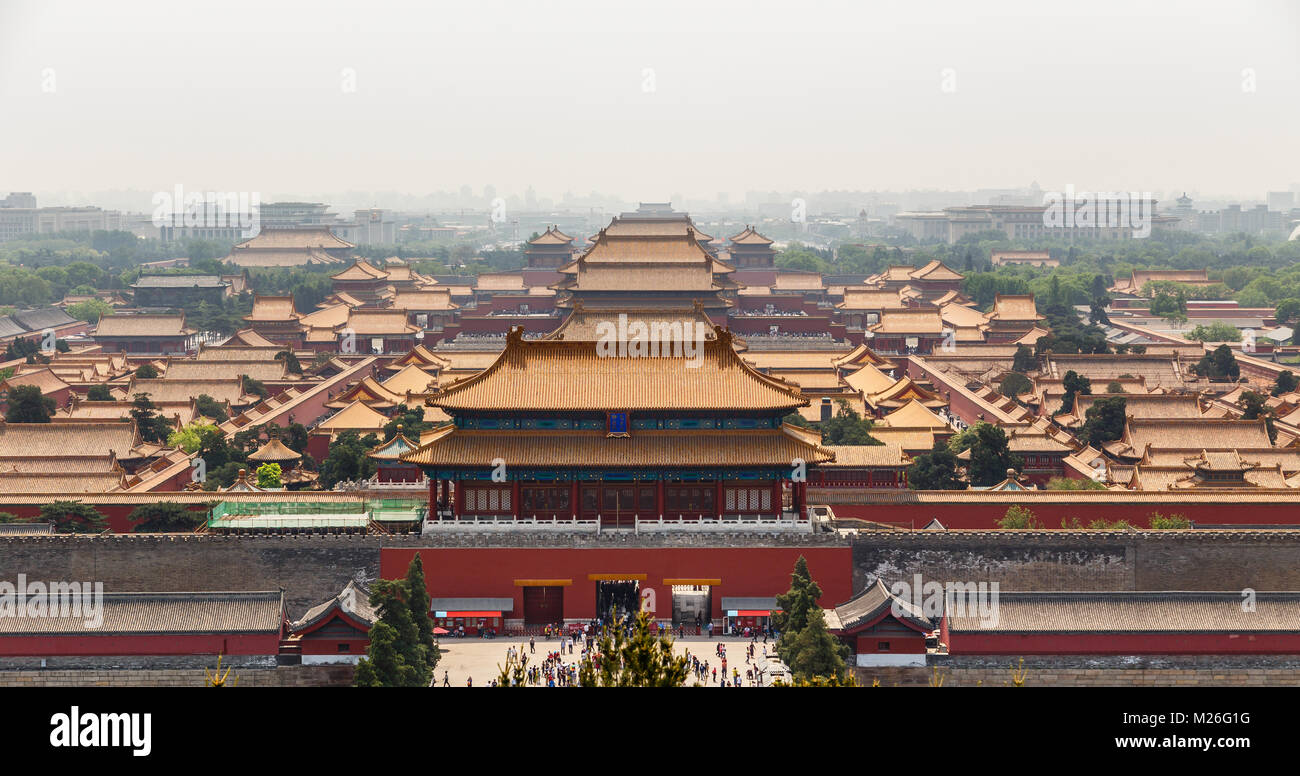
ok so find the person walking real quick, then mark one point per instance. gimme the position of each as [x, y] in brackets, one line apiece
[446, 682]
[532, 646]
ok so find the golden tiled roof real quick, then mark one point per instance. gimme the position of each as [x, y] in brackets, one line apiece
[69, 438]
[354, 417]
[185, 369]
[327, 317]
[936, 270]
[750, 237]
[142, 326]
[859, 456]
[419, 356]
[411, 379]
[500, 281]
[425, 299]
[1014, 307]
[869, 380]
[44, 379]
[238, 353]
[272, 308]
[863, 354]
[960, 315]
[368, 391]
[798, 281]
[658, 448]
[59, 484]
[913, 414]
[167, 391]
[869, 299]
[365, 323]
[1193, 434]
[361, 270]
[909, 321]
[274, 451]
[905, 438]
[301, 237]
[546, 375]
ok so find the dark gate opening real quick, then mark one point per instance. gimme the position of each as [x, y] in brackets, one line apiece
[616, 598]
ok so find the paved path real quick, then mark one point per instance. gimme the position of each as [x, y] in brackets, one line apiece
[482, 659]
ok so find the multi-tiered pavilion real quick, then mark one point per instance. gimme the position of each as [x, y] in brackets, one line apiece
[565, 430]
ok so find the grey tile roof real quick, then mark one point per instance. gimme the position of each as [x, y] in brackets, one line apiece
[1131, 612]
[875, 600]
[353, 599]
[35, 320]
[9, 327]
[755, 604]
[180, 281]
[160, 613]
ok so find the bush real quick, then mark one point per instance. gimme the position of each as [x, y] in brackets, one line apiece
[1173, 522]
[1019, 517]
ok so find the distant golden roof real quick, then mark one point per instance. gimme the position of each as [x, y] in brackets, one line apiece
[535, 375]
[185, 369]
[120, 325]
[587, 324]
[1014, 307]
[419, 356]
[869, 379]
[360, 270]
[936, 270]
[909, 321]
[364, 323]
[960, 315]
[411, 379]
[864, 298]
[298, 237]
[424, 299]
[272, 308]
[750, 237]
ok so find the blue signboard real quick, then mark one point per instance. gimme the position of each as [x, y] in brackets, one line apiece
[616, 423]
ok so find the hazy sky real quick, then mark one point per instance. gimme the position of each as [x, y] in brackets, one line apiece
[650, 98]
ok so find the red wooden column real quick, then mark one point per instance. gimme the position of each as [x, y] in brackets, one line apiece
[573, 499]
[776, 497]
[717, 498]
[515, 506]
[659, 496]
[460, 499]
[433, 499]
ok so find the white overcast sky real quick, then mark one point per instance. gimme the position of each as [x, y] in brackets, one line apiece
[791, 95]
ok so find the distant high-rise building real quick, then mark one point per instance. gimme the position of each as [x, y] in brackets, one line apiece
[1281, 200]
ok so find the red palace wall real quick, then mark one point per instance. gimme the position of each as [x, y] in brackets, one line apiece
[742, 571]
[1124, 644]
[192, 644]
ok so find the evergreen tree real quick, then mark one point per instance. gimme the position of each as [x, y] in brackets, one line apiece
[146, 372]
[399, 659]
[153, 428]
[990, 456]
[1024, 361]
[935, 470]
[209, 407]
[164, 517]
[1073, 384]
[847, 427]
[73, 517]
[99, 392]
[643, 660]
[794, 607]
[1286, 382]
[1104, 421]
[28, 405]
[383, 665]
[814, 652]
[418, 601]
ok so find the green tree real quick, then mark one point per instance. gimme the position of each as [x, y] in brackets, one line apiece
[1024, 361]
[643, 660]
[209, 407]
[935, 470]
[1073, 384]
[28, 405]
[73, 517]
[1221, 365]
[793, 607]
[1285, 383]
[1014, 384]
[268, 476]
[814, 652]
[847, 427]
[91, 310]
[1254, 406]
[418, 600]
[1173, 522]
[1018, 517]
[398, 658]
[1104, 421]
[146, 372]
[165, 517]
[1287, 310]
[1217, 331]
[153, 428]
[991, 457]
[99, 392]
[347, 460]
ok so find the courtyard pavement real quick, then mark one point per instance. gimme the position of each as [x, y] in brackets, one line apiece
[482, 659]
